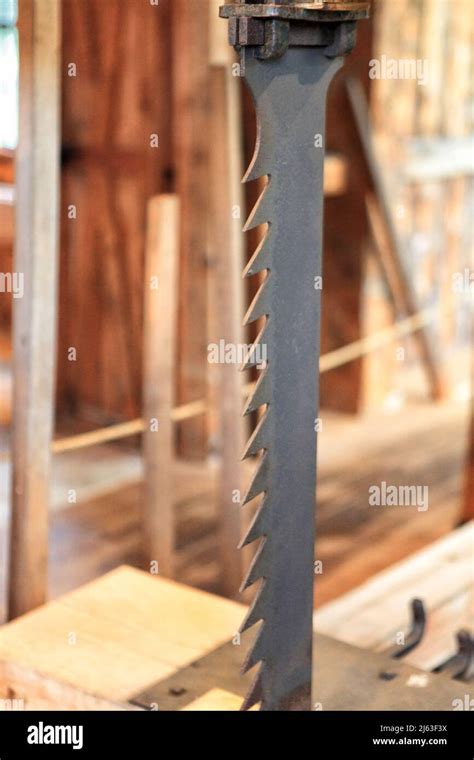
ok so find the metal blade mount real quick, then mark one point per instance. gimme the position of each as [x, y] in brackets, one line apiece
[289, 95]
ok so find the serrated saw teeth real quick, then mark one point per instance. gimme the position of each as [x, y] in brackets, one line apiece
[257, 353]
[261, 259]
[257, 653]
[259, 165]
[260, 394]
[258, 527]
[261, 212]
[259, 566]
[289, 92]
[255, 694]
[259, 482]
[260, 306]
[256, 612]
[259, 439]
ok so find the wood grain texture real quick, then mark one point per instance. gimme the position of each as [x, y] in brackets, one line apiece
[159, 345]
[191, 147]
[216, 700]
[115, 636]
[114, 105]
[36, 257]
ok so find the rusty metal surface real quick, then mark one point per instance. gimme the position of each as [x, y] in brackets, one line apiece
[309, 12]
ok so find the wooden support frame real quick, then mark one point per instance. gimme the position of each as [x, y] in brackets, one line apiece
[160, 331]
[34, 318]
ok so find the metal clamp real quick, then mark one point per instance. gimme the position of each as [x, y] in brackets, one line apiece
[271, 27]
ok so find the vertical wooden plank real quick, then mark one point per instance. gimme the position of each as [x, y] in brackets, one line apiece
[159, 346]
[456, 255]
[191, 147]
[394, 104]
[34, 318]
[467, 508]
[467, 505]
[226, 300]
[428, 206]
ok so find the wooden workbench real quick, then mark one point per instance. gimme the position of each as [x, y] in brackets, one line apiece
[132, 641]
[96, 647]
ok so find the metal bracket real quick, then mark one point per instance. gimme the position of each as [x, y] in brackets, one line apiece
[461, 665]
[272, 27]
[417, 631]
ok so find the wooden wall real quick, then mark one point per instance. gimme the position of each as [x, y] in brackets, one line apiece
[119, 98]
[345, 242]
[140, 70]
[143, 70]
[431, 202]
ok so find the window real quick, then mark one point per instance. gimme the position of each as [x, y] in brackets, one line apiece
[8, 75]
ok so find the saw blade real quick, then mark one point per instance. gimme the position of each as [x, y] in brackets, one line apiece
[290, 96]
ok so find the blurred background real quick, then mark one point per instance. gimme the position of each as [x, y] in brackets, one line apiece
[149, 107]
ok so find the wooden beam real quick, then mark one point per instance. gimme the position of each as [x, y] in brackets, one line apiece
[36, 258]
[190, 89]
[467, 507]
[467, 512]
[226, 297]
[159, 346]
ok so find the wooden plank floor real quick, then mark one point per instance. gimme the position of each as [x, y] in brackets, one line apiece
[420, 445]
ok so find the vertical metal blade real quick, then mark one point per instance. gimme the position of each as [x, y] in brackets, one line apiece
[290, 95]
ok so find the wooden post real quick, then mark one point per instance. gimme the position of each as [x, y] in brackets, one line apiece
[159, 347]
[34, 318]
[467, 509]
[226, 302]
[467, 506]
[191, 145]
